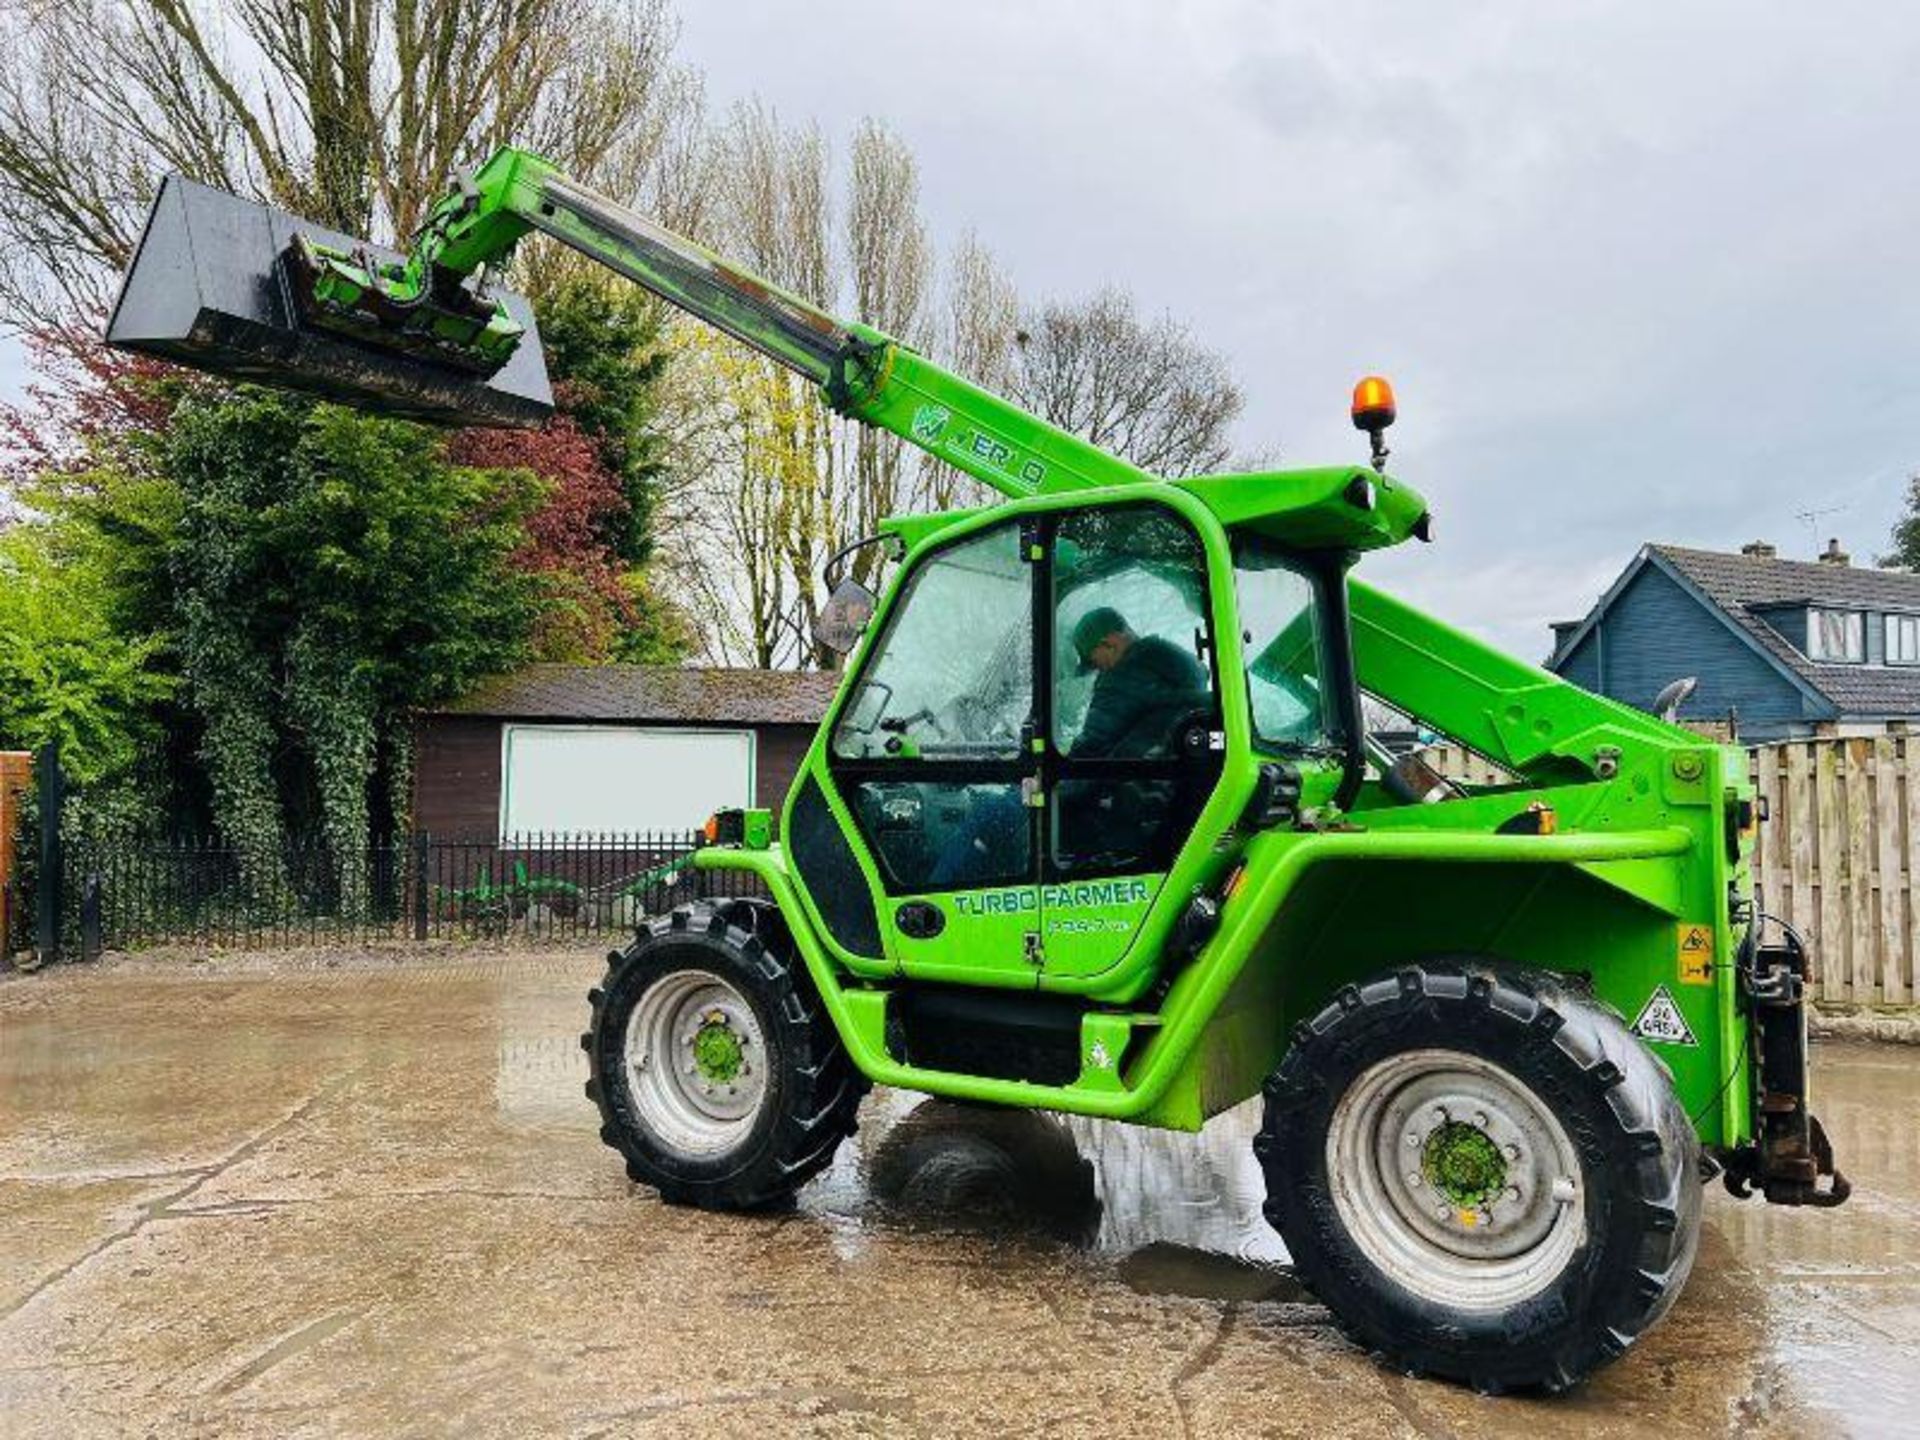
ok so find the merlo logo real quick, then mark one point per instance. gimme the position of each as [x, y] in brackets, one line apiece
[929, 421]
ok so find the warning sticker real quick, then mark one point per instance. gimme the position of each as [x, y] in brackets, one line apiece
[1693, 943]
[1661, 1021]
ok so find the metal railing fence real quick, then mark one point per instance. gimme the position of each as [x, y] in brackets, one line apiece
[417, 887]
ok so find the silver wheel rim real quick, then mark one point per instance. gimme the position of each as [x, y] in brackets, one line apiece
[696, 1063]
[1410, 1161]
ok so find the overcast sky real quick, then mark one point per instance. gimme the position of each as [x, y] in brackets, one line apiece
[1638, 272]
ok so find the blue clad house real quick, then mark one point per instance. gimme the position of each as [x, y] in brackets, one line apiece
[1785, 648]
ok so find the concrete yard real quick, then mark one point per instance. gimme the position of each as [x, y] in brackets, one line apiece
[362, 1194]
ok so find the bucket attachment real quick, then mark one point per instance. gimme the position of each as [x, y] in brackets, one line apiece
[243, 290]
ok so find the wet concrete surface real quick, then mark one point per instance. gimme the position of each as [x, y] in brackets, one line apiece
[360, 1195]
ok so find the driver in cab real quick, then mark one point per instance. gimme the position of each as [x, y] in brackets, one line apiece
[1146, 685]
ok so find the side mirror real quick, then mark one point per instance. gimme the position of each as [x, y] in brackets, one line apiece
[843, 619]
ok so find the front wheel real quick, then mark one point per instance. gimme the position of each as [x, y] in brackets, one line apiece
[1483, 1174]
[718, 1075]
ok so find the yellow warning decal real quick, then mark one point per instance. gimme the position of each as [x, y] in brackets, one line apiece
[1694, 944]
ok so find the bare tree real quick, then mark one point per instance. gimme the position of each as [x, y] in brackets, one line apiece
[1147, 392]
[350, 112]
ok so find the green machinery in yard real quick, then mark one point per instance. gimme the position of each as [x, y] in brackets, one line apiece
[1094, 825]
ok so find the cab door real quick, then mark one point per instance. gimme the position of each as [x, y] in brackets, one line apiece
[933, 756]
[1132, 720]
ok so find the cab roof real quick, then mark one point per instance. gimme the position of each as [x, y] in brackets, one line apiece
[1336, 507]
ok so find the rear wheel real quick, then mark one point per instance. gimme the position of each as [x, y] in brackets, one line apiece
[718, 1075]
[1482, 1173]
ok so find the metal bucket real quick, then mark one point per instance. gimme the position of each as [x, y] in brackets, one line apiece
[206, 289]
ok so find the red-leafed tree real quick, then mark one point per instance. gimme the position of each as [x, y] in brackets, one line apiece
[86, 399]
[566, 537]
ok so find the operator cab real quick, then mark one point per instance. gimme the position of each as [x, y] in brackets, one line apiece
[1034, 732]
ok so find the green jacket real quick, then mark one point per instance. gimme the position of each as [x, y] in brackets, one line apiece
[1136, 704]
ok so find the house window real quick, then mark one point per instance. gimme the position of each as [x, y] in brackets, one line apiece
[1837, 636]
[1903, 639]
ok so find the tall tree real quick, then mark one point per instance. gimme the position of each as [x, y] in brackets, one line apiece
[975, 333]
[890, 267]
[352, 113]
[773, 483]
[1148, 392]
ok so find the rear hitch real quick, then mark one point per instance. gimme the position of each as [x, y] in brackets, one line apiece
[1790, 1153]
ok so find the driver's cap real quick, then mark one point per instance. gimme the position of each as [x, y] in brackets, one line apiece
[1092, 628]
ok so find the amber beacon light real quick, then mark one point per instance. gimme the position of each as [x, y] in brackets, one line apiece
[1373, 412]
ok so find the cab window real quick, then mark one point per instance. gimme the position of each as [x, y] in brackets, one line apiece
[1282, 637]
[952, 678]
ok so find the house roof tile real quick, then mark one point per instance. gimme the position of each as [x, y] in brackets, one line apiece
[1743, 585]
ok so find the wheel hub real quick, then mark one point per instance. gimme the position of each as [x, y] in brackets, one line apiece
[1463, 1163]
[696, 1066]
[717, 1050]
[1455, 1178]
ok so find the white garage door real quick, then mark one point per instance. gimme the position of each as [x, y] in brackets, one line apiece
[611, 779]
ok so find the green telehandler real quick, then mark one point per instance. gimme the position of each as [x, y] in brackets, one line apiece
[1094, 825]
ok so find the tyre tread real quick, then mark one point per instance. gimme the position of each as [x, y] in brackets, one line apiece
[1652, 1133]
[821, 1091]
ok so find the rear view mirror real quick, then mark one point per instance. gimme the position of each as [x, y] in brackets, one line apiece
[843, 619]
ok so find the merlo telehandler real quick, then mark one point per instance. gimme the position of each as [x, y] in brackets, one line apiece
[1094, 825]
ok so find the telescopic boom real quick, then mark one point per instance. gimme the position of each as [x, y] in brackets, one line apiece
[438, 293]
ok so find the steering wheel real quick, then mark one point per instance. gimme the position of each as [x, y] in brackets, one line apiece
[1192, 734]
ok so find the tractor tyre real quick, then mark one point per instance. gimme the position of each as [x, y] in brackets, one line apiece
[718, 1074]
[1482, 1173]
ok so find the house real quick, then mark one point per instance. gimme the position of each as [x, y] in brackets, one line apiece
[1783, 648]
[577, 750]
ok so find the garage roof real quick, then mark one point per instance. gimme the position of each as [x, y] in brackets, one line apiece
[659, 693]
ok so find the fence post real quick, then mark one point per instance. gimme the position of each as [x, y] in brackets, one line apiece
[50, 898]
[90, 938]
[420, 885]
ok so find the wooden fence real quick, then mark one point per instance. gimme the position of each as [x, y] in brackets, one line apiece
[1838, 859]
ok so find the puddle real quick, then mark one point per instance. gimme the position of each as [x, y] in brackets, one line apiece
[1165, 1268]
[321, 1111]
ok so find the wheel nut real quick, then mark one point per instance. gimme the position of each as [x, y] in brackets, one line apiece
[1413, 1179]
[1413, 1139]
[1513, 1152]
[1442, 1212]
[1480, 1120]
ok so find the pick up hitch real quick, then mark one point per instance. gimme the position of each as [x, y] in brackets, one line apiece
[1791, 1151]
